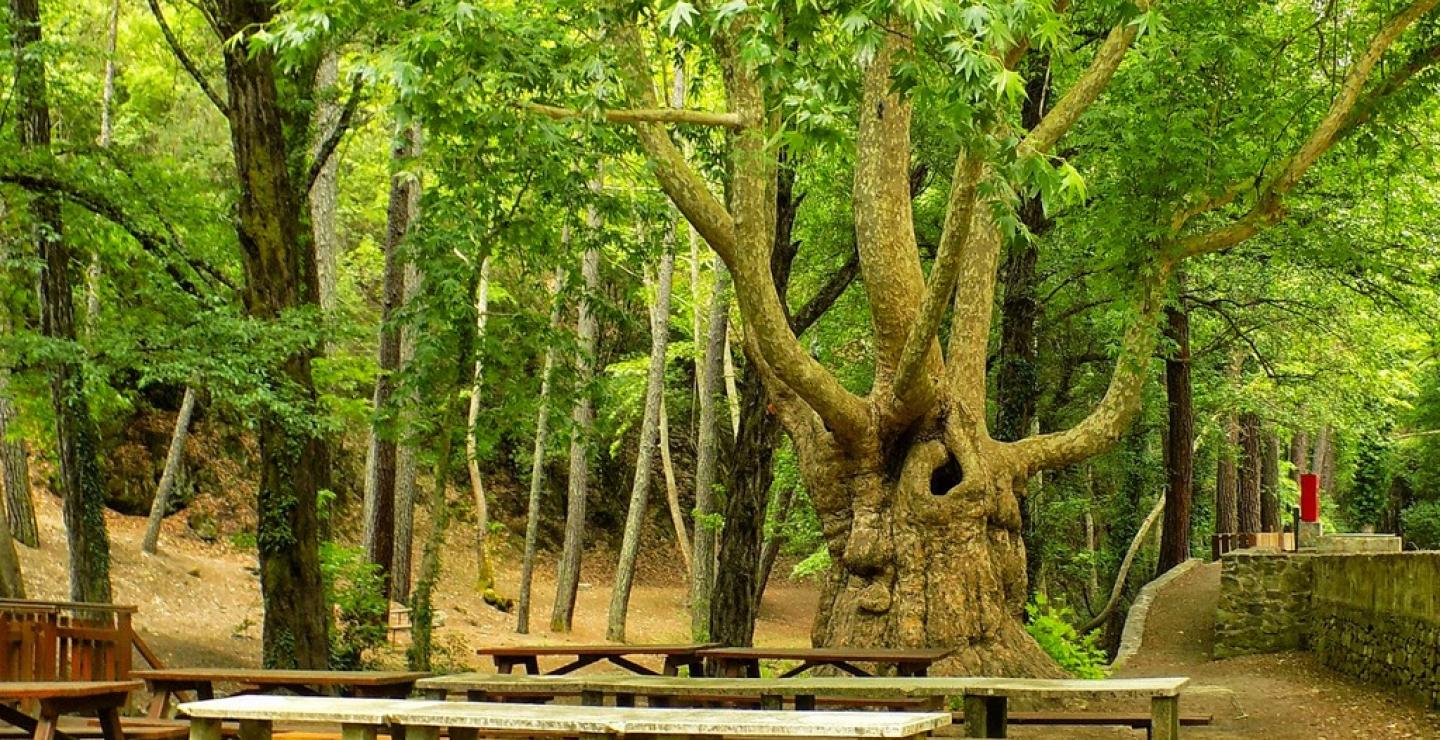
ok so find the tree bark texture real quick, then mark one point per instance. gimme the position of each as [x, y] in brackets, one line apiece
[405, 464]
[107, 134]
[645, 456]
[76, 436]
[537, 469]
[1180, 442]
[279, 261]
[1248, 504]
[567, 572]
[1269, 481]
[379, 532]
[173, 460]
[780, 508]
[672, 491]
[1299, 455]
[707, 532]
[15, 473]
[325, 192]
[1227, 480]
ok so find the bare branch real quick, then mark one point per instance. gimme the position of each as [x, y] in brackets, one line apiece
[643, 115]
[1085, 90]
[184, 58]
[332, 140]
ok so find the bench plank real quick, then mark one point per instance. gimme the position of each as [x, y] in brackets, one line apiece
[320, 709]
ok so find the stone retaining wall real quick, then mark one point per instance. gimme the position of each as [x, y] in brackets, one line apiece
[1376, 617]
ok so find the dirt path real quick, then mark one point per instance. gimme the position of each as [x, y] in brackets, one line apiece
[1276, 697]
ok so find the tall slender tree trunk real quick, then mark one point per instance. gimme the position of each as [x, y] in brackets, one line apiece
[1249, 501]
[1320, 462]
[77, 439]
[325, 193]
[1270, 481]
[644, 458]
[1180, 441]
[1227, 480]
[484, 569]
[1299, 455]
[379, 532]
[672, 491]
[567, 573]
[405, 467]
[773, 540]
[14, 462]
[173, 461]
[279, 260]
[107, 134]
[706, 453]
[537, 467]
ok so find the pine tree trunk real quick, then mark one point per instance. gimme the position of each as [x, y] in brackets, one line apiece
[1180, 442]
[173, 460]
[405, 461]
[15, 472]
[567, 573]
[1299, 455]
[537, 469]
[279, 260]
[706, 451]
[1270, 481]
[672, 491]
[1248, 504]
[77, 439]
[379, 532]
[1227, 480]
[325, 193]
[644, 458]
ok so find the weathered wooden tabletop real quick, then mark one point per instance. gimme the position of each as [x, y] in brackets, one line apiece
[264, 677]
[24, 690]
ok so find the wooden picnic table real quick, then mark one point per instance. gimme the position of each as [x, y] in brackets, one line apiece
[745, 662]
[986, 700]
[528, 656]
[103, 699]
[366, 684]
[423, 720]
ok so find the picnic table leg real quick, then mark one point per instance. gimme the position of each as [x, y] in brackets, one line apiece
[357, 732]
[159, 704]
[204, 729]
[1164, 718]
[110, 723]
[624, 700]
[985, 716]
[416, 732]
[45, 727]
[464, 733]
[254, 729]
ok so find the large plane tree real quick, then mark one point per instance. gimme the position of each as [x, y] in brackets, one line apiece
[917, 499]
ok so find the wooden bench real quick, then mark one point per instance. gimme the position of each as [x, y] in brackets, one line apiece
[101, 699]
[509, 657]
[360, 719]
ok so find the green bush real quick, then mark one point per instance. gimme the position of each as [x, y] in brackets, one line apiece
[1422, 525]
[815, 565]
[354, 591]
[1051, 627]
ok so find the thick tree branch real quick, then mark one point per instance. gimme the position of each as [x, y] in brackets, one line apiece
[744, 242]
[157, 245]
[1086, 90]
[332, 139]
[184, 58]
[1341, 117]
[643, 115]
[955, 235]
[824, 298]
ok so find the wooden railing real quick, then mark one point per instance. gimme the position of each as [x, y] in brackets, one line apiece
[68, 641]
[1223, 543]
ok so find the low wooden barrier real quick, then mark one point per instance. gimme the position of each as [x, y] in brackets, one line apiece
[1223, 543]
[68, 641]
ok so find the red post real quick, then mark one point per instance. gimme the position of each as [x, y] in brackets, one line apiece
[1309, 497]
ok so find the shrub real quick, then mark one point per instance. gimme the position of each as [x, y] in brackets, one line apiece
[1051, 626]
[354, 591]
[1421, 524]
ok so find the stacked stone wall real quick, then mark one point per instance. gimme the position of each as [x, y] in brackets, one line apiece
[1372, 616]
